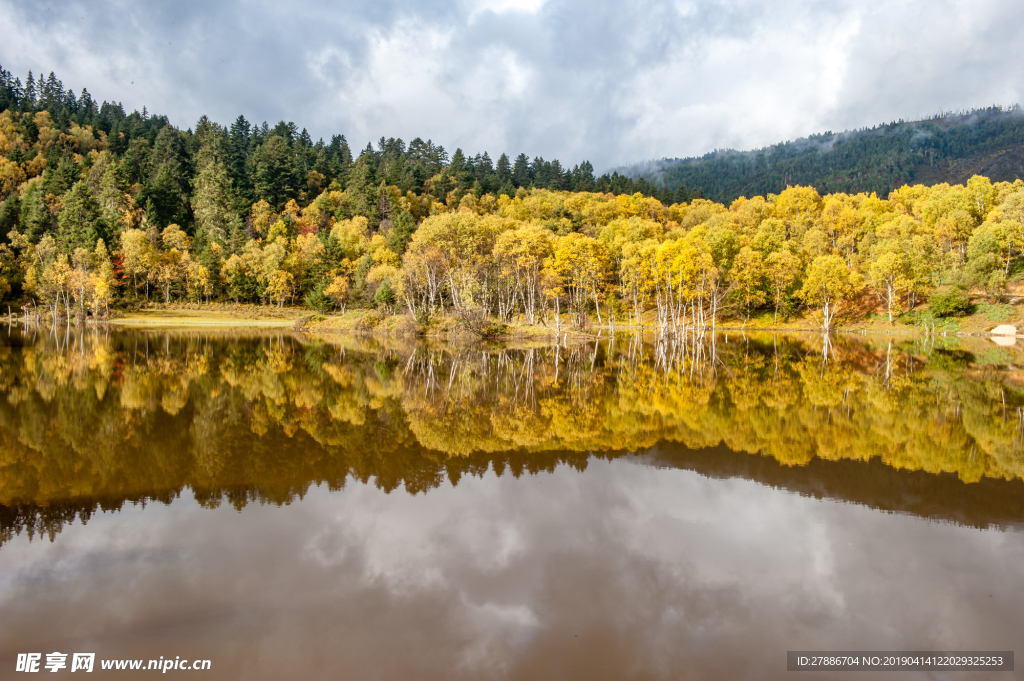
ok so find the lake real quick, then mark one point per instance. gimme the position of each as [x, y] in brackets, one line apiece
[287, 507]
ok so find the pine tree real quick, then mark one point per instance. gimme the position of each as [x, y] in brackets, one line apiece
[521, 172]
[80, 222]
[362, 187]
[211, 204]
[30, 91]
[504, 170]
[113, 199]
[274, 179]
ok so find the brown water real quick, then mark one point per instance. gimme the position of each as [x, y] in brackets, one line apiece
[294, 509]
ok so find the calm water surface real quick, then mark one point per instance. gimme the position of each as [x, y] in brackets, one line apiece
[297, 509]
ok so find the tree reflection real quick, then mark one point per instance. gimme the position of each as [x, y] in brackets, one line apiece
[91, 418]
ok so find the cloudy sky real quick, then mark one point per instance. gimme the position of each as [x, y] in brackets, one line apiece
[613, 82]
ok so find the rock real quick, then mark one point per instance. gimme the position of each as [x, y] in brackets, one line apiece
[1004, 330]
[1004, 341]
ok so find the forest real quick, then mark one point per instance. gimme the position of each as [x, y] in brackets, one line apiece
[945, 148]
[102, 209]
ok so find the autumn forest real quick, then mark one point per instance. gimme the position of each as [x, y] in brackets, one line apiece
[100, 209]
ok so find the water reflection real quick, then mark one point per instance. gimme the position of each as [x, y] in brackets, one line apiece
[93, 419]
[604, 511]
[622, 571]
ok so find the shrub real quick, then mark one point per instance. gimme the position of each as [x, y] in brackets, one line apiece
[369, 321]
[951, 303]
[385, 297]
[494, 330]
[317, 301]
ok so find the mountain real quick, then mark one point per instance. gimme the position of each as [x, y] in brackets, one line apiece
[947, 148]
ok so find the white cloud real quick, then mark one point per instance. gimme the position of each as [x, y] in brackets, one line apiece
[499, 6]
[607, 81]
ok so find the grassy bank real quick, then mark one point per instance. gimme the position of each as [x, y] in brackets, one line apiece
[982, 319]
[215, 315]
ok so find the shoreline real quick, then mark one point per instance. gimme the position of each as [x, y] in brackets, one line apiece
[354, 323]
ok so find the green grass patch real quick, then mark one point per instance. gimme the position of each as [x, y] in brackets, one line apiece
[995, 313]
[914, 318]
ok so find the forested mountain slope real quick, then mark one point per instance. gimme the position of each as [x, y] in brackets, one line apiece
[52, 133]
[100, 208]
[948, 148]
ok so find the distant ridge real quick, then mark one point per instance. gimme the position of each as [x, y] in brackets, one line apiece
[950, 147]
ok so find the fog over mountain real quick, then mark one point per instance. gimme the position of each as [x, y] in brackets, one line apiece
[950, 148]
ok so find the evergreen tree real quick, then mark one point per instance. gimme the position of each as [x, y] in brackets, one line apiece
[30, 91]
[504, 170]
[35, 215]
[521, 172]
[238, 165]
[274, 178]
[402, 227]
[362, 187]
[211, 203]
[166, 192]
[113, 199]
[339, 158]
[80, 222]
[10, 210]
[64, 175]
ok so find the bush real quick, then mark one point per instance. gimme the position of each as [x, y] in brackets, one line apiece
[952, 303]
[369, 321]
[494, 330]
[385, 297]
[317, 301]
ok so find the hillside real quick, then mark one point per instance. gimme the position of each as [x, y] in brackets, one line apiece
[100, 209]
[948, 148]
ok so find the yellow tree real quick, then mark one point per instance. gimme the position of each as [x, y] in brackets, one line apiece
[7, 261]
[79, 281]
[636, 276]
[169, 267]
[799, 207]
[138, 256]
[465, 244]
[553, 286]
[337, 291]
[384, 282]
[423, 278]
[519, 254]
[840, 221]
[55, 284]
[889, 273]
[197, 280]
[581, 264]
[829, 284]
[280, 286]
[990, 252]
[672, 265]
[748, 275]
[262, 216]
[782, 268]
[353, 237]
[304, 259]
[101, 279]
[1012, 209]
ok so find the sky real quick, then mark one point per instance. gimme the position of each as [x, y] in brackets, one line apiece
[610, 81]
